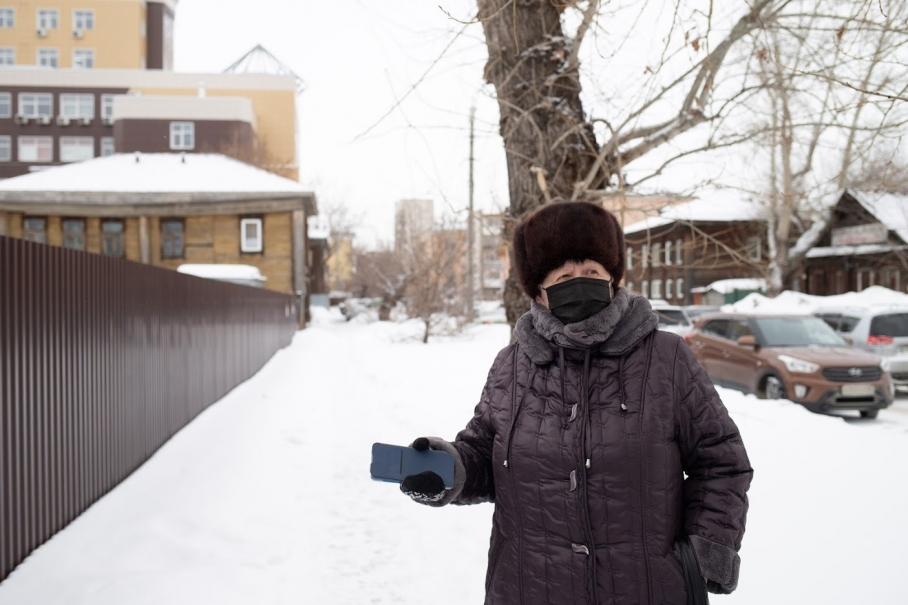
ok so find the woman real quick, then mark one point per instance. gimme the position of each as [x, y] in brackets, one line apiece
[584, 433]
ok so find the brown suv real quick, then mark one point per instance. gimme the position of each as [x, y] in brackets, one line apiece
[795, 357]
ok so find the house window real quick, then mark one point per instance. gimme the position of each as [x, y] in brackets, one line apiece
[34, 230]
[6, 105]
[644, 288]
[680, 286]
[83, 19]
[7, 56]
[629, 255]
[48, 18]
[657, 288]
[657, 260]
[630, 286]
[48, 57]
[77, 106]
[182, 135]
[83, 58]
[74, 234]
[36, 104]
[679, 259]
[107, 146]
[669, 293]
[171, 239]
[112, 238]
[36, 149]
[251, 235]
[6, 148]
[754, 249]
[107, 106]
[668, 253]
[7, 17]
[644, 255]
[76, 149]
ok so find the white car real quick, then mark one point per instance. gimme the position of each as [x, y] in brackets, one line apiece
[672, 318]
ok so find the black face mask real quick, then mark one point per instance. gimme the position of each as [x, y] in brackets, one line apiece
[578, 298]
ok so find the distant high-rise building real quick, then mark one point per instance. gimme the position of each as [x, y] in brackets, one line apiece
[413, 220]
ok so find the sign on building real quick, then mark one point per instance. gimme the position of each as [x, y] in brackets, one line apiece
[872, 233]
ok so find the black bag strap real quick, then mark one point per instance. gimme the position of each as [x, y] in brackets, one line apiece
[693, 580]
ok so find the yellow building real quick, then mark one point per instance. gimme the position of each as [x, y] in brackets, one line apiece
[104, 34]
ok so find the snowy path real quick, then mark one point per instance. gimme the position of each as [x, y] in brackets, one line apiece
[265, 498]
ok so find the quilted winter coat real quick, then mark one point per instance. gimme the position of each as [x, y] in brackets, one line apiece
[582, 439]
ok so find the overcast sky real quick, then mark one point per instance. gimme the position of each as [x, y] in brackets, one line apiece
[359, 58]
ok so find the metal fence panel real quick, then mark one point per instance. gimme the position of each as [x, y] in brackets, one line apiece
[101, 361]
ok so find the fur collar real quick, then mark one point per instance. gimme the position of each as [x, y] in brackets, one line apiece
[613, 331]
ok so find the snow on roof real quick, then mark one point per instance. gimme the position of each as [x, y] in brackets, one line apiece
[222, 271]
[799, 303]
[724, 286]
[855, 250]
[155, 173]
[717, 206]
[891, 209]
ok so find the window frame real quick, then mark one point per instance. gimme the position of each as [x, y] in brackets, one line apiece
[629, 258]
[36, 104]
[668, 253]
[12, 55]
[174, 136]
[80, 13]
[669, 293]
[9, 11]
[45, 50]
[90, 52]
[76, 143]
[679, 255]
[245, 248]
[755, 249]
[644, 255]
[77, 98]
[67, 233]
[657, 251]
[9, 147]
[105, 141]
[107, 102]
[40, 16]
[655, 287]
[644, 288]
[679, 285]
[107, 236]
[9, 104]
[181, 253]
[28, 231]
[19, 154]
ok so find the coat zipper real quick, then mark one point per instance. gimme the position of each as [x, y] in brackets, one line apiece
[649, 582]
[507, 453]
[585, 458]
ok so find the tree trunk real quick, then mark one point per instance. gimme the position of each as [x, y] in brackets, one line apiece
[549, 145]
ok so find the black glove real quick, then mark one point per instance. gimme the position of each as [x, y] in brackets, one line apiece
[424, 487]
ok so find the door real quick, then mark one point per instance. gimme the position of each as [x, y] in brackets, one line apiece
[709, 346]
[741, 364]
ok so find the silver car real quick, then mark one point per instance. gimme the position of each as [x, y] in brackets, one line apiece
[880, 329]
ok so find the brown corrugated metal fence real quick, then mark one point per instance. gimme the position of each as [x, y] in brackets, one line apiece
[102, 361]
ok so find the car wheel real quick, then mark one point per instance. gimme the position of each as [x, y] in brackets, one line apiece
[869, 413]
[774, 388]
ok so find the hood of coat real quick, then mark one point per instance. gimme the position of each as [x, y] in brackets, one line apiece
[615, 330]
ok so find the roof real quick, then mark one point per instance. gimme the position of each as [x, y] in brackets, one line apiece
[715, 207]
[891, 209]
[260, 61]
[153, 182]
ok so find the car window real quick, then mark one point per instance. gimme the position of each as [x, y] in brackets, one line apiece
[894, 324]
[832, 319]
[797, 332]
[739, 328]
[849, 323]
[716, 327]
[671, 317]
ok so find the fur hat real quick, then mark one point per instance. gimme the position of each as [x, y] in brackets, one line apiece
[564, 231]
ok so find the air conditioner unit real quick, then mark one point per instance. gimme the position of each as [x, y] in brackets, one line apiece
[63, 121]
[78, 34]
[108, 121]
[44, 120]
[85, 121]
[22, 119]
[42, 33]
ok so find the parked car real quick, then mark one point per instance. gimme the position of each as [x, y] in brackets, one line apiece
[882, 330]
[797, 357]
[695, 311]
[672, 318]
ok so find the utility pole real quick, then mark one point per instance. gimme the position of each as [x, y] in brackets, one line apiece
[470, 228]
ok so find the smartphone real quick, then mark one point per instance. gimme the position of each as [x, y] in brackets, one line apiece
[394, 462]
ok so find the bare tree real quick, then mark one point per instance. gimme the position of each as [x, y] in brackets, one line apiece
[257, 152]
[380, 274]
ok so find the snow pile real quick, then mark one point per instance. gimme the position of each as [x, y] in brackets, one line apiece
[724, 286]
[799, 303]
[266, 496]
[223, 272]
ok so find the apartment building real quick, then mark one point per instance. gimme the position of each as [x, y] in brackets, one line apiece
[87, 34]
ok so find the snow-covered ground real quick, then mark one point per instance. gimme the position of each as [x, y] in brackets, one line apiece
[266, 497]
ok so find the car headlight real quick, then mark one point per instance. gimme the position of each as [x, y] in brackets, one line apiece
[798, 366]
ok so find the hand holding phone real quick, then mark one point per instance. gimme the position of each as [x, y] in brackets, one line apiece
[396, 463]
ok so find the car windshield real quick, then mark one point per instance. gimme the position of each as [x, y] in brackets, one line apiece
[671, 317]
[797, 332]
[895, 324]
